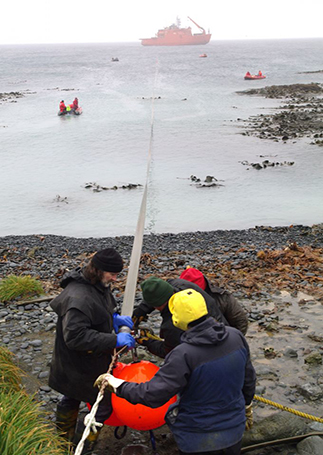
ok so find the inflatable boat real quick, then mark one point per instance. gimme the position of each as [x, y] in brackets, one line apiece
[251, 77]
[77, 111]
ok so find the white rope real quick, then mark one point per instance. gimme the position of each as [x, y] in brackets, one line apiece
[89, 420]
[90, 424]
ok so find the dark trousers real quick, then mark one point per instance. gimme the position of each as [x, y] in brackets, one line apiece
[233, 450]
[103, 413]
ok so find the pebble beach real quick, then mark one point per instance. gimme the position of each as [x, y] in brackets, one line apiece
[275, 273]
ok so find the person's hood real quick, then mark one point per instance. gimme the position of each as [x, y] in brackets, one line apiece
[74, 275]
[207, 332]
[213, 287]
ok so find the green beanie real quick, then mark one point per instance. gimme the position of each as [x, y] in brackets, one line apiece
[156, 291]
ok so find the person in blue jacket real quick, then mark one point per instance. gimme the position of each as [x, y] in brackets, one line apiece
[212, 375]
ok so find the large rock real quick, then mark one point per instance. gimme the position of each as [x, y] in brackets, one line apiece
[310, 446]
[278, 426]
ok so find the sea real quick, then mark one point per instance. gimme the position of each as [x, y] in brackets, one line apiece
[158, 115]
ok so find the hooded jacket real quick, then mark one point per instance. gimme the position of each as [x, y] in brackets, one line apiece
[213, 375]
[168, 332]
[229, 306]
[84, 339]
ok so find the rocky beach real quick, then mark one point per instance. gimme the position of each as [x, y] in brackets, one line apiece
[300, 115]
[275, 273]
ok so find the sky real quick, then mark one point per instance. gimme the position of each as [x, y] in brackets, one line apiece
[105, 21]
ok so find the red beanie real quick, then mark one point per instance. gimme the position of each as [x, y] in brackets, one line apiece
[194, 276]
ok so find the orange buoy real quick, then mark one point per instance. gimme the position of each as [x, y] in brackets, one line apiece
[113, 420]
[138, 416]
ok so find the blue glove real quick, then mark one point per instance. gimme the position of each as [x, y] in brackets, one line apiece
[119, 321]
[125, 339]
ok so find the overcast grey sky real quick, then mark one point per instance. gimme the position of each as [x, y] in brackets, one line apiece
[77, 21]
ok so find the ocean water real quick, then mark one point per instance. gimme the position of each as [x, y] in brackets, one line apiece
[46, 160]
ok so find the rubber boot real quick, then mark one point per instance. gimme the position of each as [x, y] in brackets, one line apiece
[66, 421]
[90, 441]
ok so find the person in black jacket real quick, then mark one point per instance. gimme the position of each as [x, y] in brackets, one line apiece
[85, 340]
[229, 306]
[156, 294]
[212, 376]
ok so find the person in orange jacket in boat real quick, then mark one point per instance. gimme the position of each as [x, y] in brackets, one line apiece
[75, 104]
[62, 107]
[259, 73]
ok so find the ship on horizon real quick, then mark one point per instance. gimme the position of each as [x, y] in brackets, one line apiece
[174, 35]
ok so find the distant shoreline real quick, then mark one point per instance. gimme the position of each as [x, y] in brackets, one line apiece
[259, 234]
[220, 252]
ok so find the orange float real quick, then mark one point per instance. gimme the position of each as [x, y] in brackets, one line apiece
[137, 416]
[113, 420]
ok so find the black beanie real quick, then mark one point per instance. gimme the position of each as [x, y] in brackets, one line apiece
[108, 260]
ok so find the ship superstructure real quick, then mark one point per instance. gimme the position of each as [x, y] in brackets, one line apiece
[175, 35]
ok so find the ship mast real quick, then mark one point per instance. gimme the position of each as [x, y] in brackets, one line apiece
[201, 28]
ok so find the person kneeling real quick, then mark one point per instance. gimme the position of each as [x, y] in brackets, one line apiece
[212, 374]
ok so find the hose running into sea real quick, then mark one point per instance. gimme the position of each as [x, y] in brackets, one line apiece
[133, 270]
[129, 295]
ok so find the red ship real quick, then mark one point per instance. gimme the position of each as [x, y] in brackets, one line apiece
[177, 36]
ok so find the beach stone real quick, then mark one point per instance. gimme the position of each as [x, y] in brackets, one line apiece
[310, 446]
[43, 374]
[316, 426]
[24, 345]
[29, 307]
[266, 372]
[260, 389]
[45, 388]
[276, 426]
[315, 358]
[311, 391]
[36, 343]
[289, 352]
[50, 327]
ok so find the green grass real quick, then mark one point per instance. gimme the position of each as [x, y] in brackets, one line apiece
[10, 374]
[19, 287]
[23, 429]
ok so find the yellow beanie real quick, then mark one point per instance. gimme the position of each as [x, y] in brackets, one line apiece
[187, 306]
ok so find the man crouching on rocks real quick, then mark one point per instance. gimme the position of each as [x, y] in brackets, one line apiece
[85, 340]
[212, 374]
